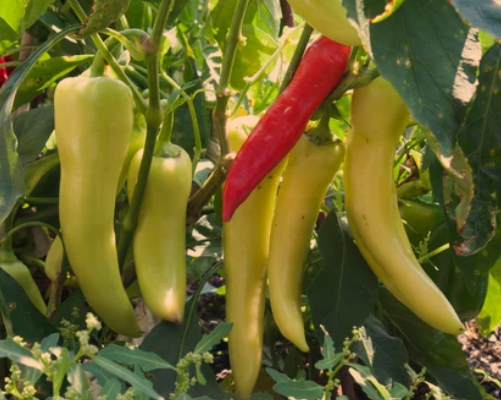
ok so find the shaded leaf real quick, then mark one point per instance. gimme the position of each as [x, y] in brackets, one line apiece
[102, 14]
[111, 389]
[344, 291]
[485, 15]
[103, 376]
[277, 376]
[368, 383]
[34, 9]
[17, 353]
[329, 357]
[385, 355]
[429, 55]
[440, 353]
[36, 170]
[32, 129]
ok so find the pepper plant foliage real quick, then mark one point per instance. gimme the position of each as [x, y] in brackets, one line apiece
[215, 62]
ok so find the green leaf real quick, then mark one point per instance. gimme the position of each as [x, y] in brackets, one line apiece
[304, 390]
[125, 355]
[103, 376]
[429, 55]
[329, 357]
[102, 14]
[111, 389]
[369, 384]
[485, 15]
[277, 376]
[34, 9]
[490, 316]
[26, 320]
[32, 129]
[45, 73]
[398, 391]
[385, 355]
[213, 338]
[11, 173]
[36, 170]
[50, 341]
[6, 32]
[251, 55]
[440, 353]
[17, 353]
[479, 139]
[137, 382]
[12, 11]
[344, 291]
[77, 378]
[264, 15]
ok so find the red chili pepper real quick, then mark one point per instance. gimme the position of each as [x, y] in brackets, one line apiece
[5, 71]
[319, 72]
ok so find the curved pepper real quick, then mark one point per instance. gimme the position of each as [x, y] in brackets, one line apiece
[329, 18]
[379, 117]
[309, 172]
[94, 119]
[160, 237]
[246, 243]
[276, 133]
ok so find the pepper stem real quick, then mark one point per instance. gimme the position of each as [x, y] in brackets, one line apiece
[321, 134]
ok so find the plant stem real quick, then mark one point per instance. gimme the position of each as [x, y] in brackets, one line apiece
[223, 93]
[34, 223]
[10, 64]
[57, 287]
[41, 200]
[138, 99]
[202, 195]
[432, 253]
[296, 57]
[166, 131]
[18, 49]
[47, 213]
[153, 119]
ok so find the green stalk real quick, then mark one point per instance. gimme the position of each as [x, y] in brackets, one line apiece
[138, 99]
[297, 56]
[154, 118]
[165, 133]
[41, 200]
[10, 64]
[18, 49]
[223, 94]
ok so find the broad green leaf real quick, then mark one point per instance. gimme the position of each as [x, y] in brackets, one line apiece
[479, 139]
[440, 353]
[490, 316]
[165, 340]
[33, 128]
[264, 15]
[6, 32]
[50, 341]
[103, 13]
[128, 376]
[34, 8]
[369, 384]
[251, 55]
[125, 355]
[221, 12]
[261, 396]
[213, 338]
[304, 390]
[36, 170]
[344, 291]
[485, 15]
[11, 173]
[17, 353]
[111, 389]
[429, 55]
[12, 11]
[385, 355]
[45, 73]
